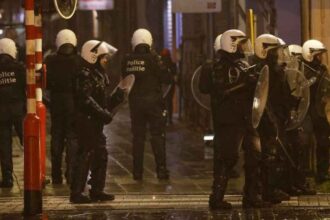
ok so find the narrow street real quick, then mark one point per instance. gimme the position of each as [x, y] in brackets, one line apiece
[184, 196]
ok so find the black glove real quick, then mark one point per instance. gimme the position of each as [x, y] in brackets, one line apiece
[106, 116]
[116, 99]
[252, 78]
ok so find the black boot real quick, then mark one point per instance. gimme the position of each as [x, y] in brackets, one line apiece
[216, 201]
[7, 180]
[256, 202]
[79, 178]
[275, 196]
[100, 196]
[306, 189]
[158, 147]
[138, 150]
[98, 176]
[79, 198]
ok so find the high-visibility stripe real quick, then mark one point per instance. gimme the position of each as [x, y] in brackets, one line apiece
[29, 17]
[38, 44]
[30, 76]
[31, 106]
[37, 21]
[39, 95]
[30, 47]
[38, 66]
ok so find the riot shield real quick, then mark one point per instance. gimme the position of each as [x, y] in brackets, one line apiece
[322, 97]
[293, 63]
[203, 100]
[119, 95]
[260, 96]
[299, 87]
[66, 8]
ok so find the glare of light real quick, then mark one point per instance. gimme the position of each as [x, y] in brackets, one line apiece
[1, 31]
[208, 137]
[256, 103]
[153, 197]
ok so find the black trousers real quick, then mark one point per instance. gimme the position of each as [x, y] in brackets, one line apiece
[228, 141]
[11, 115]
[6, 127]
[63, 134]
[322, 135]
[143, 114]
[91, 155]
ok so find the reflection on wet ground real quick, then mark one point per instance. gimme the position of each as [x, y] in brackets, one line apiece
[262, 214]
[184, 196]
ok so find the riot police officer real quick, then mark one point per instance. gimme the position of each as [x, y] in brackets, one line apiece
[146, 102]
[313, 51]
[62, 68]
[300, 132]
[12, 106]
[92, 115]
[271, 51]
[231, 109]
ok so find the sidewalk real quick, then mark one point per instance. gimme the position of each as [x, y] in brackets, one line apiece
[189, 186]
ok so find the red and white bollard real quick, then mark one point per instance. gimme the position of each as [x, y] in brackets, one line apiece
[32, 183]
[40, 84]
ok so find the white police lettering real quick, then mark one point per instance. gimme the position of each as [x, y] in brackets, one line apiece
[7, 78]
[135, 66]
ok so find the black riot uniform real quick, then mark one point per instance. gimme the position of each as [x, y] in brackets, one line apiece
[62, 69]
[12, 111]
[146, 107]
[92, 115]
[301, 142]
[272, 126]
[321, 126]
[233, 128]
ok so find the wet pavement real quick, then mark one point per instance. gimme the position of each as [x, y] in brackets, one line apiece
[184, 196]
[185, 214]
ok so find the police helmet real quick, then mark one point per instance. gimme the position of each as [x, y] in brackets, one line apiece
[7, 46]
[295, 50]
[232, 40]
[217, 45]
[264, 43]
[141, 36]
[312, 48]
[93, 49]
[66, 36]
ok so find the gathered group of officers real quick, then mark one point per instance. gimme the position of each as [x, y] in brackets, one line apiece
[271, 102]
[80, 106]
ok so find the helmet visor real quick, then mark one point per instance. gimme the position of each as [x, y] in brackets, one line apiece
[245, 46]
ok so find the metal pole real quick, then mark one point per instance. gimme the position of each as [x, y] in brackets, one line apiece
[250, 26]
[305, 20]
[32, 184]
